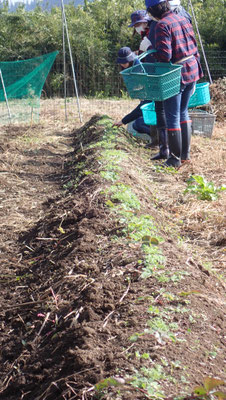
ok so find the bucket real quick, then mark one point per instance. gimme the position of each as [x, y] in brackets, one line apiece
[149, 114]
[201, 96]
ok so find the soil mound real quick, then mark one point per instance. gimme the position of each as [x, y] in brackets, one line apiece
[98, 309]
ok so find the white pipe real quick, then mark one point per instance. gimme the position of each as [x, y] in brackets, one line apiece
[72, 64]
[5, 95]
[200, 40]
[64, 61]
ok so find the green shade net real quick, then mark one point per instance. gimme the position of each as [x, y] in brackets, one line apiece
[23, 82]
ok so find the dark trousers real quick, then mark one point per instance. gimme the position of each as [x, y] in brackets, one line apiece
[140, 126]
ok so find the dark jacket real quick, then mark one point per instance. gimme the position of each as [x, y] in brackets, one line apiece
[136, 113]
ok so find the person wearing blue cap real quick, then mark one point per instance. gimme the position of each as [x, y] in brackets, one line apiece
[141, 21]
[142, 24]
[175, 42]
[126, 58]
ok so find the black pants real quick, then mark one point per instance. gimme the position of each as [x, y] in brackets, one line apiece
[140, 126]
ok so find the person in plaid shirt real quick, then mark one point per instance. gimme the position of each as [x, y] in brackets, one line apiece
[142, 24]
[175, 42]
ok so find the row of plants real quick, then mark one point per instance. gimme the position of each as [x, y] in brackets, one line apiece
[142, 229]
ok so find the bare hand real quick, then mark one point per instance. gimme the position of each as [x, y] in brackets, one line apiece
[119, 123]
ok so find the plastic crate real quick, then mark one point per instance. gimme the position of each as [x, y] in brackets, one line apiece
[152, 81]
[149, 114]
[201, 95]
[202, 123]
[158, 81]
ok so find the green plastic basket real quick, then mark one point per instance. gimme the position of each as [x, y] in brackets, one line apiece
[201, 95]
[149, 114]
[152, 81]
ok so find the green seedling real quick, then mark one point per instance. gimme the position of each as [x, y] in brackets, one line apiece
[204, 190]
[23, 277]
[164, 170]
[161, 329]
[148, 379]
[123, 195]
[133, 338]
[88, 172]
[109, 175]
[153, 260]
[144, 356]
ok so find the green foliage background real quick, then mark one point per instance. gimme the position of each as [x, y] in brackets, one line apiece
[96, 30]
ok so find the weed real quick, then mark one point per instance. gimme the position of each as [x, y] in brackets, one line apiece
[153, 260]
[23, 277]
[191, 319]
[114, 155]
[133, 338]
[164, 330]
[148, 380]
[204, 190]
[105, 120]
[144, 356]
[124, 95]
[109, 203]
[88, 172]
[164, 170]
[71, 184]
[154, 310]
[125, 203]
[111, 158]
[167, 276]
[109, 175]
[141, 227]
[123, 194]
[145, 380]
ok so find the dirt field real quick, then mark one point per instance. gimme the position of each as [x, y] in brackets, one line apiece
[78, 302]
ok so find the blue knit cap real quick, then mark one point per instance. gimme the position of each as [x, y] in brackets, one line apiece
[152, 3]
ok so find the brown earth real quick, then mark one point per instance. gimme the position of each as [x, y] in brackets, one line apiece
[72, 298]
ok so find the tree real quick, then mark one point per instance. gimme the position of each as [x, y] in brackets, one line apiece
[211, 21]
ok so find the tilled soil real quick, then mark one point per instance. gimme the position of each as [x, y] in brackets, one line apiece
[72, 298]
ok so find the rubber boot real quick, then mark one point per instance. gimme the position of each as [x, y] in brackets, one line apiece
[175, 147]
[154, 140]
[154, 135]
[186, 141]
[163, 146]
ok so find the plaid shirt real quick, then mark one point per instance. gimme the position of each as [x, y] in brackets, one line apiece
[175, 40]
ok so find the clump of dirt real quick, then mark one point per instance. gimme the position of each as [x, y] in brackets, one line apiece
[76, 310]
